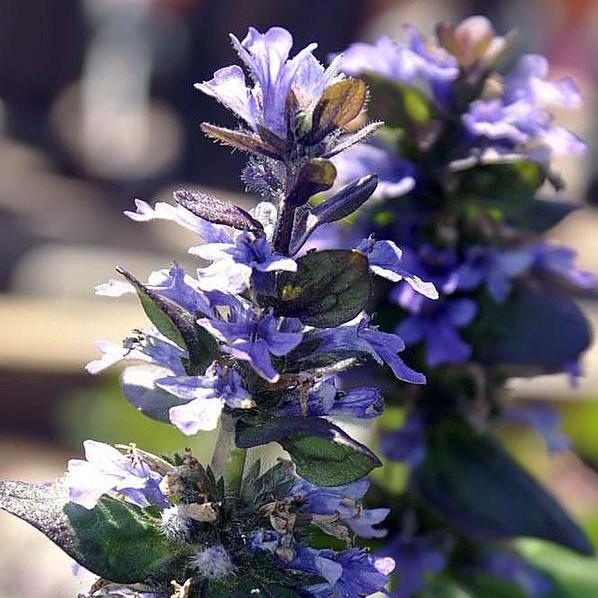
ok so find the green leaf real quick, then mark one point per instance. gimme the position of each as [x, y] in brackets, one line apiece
[323, 454]
[273, 484]
[114, 540]
[472, 586]
[245, 587]
[177, 325]
[573, 576]
[329, 288]
[470, 479]
[246, 142]
[398, 105]
[540, 215]
[340, 103]
[519, 334]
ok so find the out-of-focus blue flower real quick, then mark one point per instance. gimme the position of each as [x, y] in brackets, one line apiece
[344, 501]
[275, 76]
[436, 324]
[544, 420]
[414, 62]
[407, 443]
[511, 567]
[395, 176]
[415, 558]
[358, 336]
[559, 261]
[385, 260]
[517, 120]
[206, 396]
[493, 267]
[234, 263]
[104, 470]
[325, 398]
[249, 335]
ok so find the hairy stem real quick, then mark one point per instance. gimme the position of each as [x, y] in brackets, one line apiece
[228, 460]
[284, 228]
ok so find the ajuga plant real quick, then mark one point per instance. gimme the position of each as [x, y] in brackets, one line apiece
[466, 172]
[252, 344]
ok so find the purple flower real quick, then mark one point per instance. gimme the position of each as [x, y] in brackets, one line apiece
[249, 335]
[545, 420]
[172, 284]
[205, 397]
[385, 260]
[344, 501]
[209, 232]
[414, 62]
[513, 568]
[150, 347]
[395, 176]
[275, 76]
[436, 324]
[358, 336]
[518, 122]
[407, 443]
[560, 262]
[108, 470]
[325, 398]
[351, 573]
[494, 268]
[234, 263]
[415, 558]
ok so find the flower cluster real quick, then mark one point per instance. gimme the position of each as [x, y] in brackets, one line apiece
[252, 342]
[466, 149]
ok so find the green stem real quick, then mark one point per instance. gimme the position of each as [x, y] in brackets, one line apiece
[228, 460]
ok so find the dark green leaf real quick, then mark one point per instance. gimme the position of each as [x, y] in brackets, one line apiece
[540, 215]
[339, 105]
[247, 587]
[114, 540]
[315, 176]
[177, 325]
[329, 288]
[273, 484]
[323, 454]
[476, 485]
[520, 333]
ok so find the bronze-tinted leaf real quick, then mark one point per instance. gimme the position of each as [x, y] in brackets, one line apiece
[215, 210]
[315, 176]
[246, 142]
[339, 105]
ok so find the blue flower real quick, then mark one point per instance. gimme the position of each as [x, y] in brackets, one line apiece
[344, 501]
[559, 262]
[324, 398]
[358, 336]
[351, 573]
[395, 176]
[493, 267]
[173, 284]
[275, 76]
[250, 335]
[105, 470]
[545, 420]
[415, 558]
[407, 443]
[511, 567]
[517, 120]
[205, 397]
[436, 324]
[234, 263]
[414, 62]
[385, 260]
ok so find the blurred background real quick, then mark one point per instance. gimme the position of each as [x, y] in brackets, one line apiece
[97, 107]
